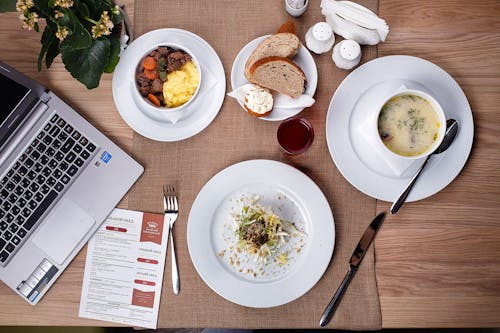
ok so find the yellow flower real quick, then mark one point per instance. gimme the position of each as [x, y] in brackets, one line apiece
[62, 33]
[64, 3]
[58, 14]
[28, 20]
[24, 5]
[103, 26]
[116, 10]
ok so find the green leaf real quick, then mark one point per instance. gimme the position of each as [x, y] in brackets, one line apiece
[7, 6]
[37, 27]
[79, 38]
[114, 56]
[41, 55]
[96, 7]
[43, 8]
[83, 10]
[48, 34]
[52, 52]
[51, 3]
[87, 65]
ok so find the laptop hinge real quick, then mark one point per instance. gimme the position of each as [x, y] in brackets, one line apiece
[45, 96]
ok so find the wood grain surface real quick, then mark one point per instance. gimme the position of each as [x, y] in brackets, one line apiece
[437, 262]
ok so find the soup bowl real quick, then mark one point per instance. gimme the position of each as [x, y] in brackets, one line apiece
[374, 126]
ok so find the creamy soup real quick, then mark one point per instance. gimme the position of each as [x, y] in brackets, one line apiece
[408, 125]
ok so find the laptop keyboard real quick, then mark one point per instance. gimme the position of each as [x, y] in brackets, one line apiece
[36, 179]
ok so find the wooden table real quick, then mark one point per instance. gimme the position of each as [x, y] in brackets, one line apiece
[437, 264]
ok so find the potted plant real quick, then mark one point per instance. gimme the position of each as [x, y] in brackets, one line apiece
[87, 34]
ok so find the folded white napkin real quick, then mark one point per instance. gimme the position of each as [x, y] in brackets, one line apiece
[280, 101]
[398, 165]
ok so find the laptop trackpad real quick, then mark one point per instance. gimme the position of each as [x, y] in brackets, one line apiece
[64, 229]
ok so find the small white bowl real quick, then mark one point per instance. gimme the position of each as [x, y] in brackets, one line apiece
[164, 113]
[296, 12]
[435, 105]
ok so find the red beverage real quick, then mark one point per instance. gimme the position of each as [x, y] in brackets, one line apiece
[295, 135]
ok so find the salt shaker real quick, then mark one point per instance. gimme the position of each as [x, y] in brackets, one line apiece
[346, 54]
[296, 7]
[320, 38]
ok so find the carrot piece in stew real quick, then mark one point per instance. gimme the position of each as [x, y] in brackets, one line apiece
[154, 100]
[149, 63]
[152, 75]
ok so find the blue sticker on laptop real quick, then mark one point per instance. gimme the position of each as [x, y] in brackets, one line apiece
[105, 157]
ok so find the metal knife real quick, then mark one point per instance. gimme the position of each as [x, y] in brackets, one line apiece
[356, 258]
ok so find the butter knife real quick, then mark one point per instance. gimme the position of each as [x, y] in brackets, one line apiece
[354, 262]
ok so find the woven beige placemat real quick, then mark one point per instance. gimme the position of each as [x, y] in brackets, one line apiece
[235, 136]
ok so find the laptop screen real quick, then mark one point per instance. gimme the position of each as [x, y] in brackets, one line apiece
[12, 94]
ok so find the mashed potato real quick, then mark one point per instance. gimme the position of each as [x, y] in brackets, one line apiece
[181, 85]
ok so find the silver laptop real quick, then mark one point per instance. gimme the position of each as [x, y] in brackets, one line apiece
[59, 179]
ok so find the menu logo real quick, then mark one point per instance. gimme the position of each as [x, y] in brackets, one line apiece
[152, 228]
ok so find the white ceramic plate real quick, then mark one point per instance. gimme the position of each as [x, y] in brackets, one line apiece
[293, 196]
[202, 110]
[303, 58]
[359, 90]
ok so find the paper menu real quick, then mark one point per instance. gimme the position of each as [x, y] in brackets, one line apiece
[124, 269]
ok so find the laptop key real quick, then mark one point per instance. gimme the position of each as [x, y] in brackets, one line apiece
[13, 227]
[16, 240]
[38, 212]
[51, 181]
[20, 220]
[79, 162]
[21, 202]
[38, 167]
[63, 166]
[77, 148]
[15, 210]
[32, 204]
[27, 195]
[70, 157]
[50, 152]
[10, 247]
[53, 163]
[72, 170]
[26, 212]
[91, 147]
[9, 217]
[54, 131]
[67, 145]
[68, 129]
[4, 194]
[3, 226]
[85, 154]
[45, 189]
[19, 190]
[2, 243]
[56, 144]
[38, 197]
[76, 135]
[59, 187]
[83, 141]
[65, 179]
[34, 187]
[57, 173]
[22, 232]
[7, 235]
[3, 256]
[61, 122]
[10, 186]
[6, 206]
[46, 171]
[23, 171]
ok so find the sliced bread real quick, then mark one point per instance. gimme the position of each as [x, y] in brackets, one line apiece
[283, 44]
[279, 74]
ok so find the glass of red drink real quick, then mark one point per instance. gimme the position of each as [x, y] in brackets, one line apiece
[295, 135]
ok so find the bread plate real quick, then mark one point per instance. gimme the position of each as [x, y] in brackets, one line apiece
[303, 59]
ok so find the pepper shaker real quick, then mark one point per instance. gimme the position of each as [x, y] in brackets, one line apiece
[320, 38]
[346, 54]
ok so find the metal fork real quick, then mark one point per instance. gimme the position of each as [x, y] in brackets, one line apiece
[171, 210]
